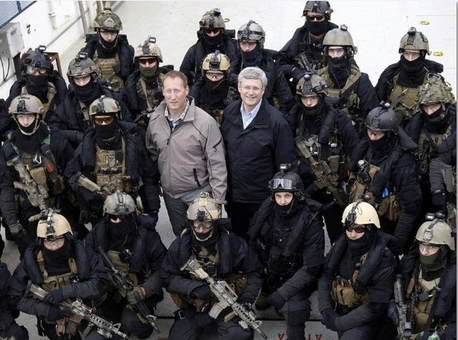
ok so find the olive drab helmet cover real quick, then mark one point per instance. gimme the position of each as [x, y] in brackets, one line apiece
[212, 19]
[318, 7]
[216, 61]
[311, 83]
[119, 204]
[148, 49]
[26, 104]
[82, 66]
[204, 208]
[53, 226]
[436, 232]
[38, 58]
[251, 32]
[340, 37]
[107, 20]
[435, 90]
[383, 119]
[414, 40]
[361, 213]
[104, 106]
[287, 181]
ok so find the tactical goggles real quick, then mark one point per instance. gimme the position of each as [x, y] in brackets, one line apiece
[315, 17]
[56, 242]
[212, 30]
[357, 228]
[107, 120]
[36, 71]
[281, 183]
[115, 217]
[144, 61]
[205, 225]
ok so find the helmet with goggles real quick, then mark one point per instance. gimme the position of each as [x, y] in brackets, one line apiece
[26, 104]
[414, 40]
[148, 49]
[436, 231]
[212, 19]
[119, 204]
[251, 32]
[53, 226]
[360, 213]
[204, 208]
[340, 37]
[216, 61]
[104, 106]
[311, 83]
[37, 60]
[322, 7]
[82, 66]
[287, 181]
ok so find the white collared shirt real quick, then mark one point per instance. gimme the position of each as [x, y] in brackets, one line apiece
[247, 117]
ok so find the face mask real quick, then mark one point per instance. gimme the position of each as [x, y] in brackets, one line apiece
[88, 92]
[106, 131]
[122, 228]
[37, 86]
[58, 255]
[316, 28]
[311, 112]
[148, 72]
[252, 58]
[378, 145]
[213, 41]
[412, 66]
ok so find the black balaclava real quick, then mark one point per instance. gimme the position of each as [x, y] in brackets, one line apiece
[382, 147]
[37, 86]
[364, 243]
[56, 262]
[412, 73]
[105, 132]
[122, 234]
[339, 70]
[312, 112]
[149, 73]
[87, 93]
[205, 239]
[316, 27]
[433, 265]
[107, 49]
[439, 121]
[252, 58]
[213, 93]
[212, 43]
[32, 143]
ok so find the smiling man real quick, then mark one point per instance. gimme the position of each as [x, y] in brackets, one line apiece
[258, 140]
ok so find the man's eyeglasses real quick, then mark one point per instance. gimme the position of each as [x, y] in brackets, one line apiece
[315, 17]
[103, 120]
[359, 229]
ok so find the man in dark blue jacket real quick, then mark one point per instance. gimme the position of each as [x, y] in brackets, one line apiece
[258, 139]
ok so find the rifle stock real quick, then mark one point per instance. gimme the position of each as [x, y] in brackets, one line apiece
[124, 285]
[226, 298]
[78, 308]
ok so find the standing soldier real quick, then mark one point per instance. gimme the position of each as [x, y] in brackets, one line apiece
[346, 83]
[223, 256]
[429, 277]
[214, 91]
[59, 264]
[384, 169]
[9, 329]
[212, 35]
[143, 89]
[287, 232]
[133, 247]
[251, 37]
[399, 83]
[72, 116]
[434, 130]
[357, 284]
[39, 79]
[110, 50]
[110, 158]
[325, 140]
[304, 51]
[32, 162]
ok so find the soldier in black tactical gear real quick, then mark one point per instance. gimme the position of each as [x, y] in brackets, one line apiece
[9, 329]
[135, 248]
[110, 50]
[32, 162]
[224, 256]
[303, 52]
[429, 281]
[112, 159]
[346, 83]
[357, 283]
[143, 89]
[330, 138]
[86, 85]
[59, 264]
[212, 35]
[251, 38]
[287, 232]
[434, 130]
[399, 83]
[384, 169]
[214, 91]
[38, 79]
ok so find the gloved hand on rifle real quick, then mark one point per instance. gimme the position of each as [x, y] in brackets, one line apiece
[136, 295]
[17, 230]
[54, 297]
[202, 293]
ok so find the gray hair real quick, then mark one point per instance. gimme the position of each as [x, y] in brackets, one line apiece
[253, 73]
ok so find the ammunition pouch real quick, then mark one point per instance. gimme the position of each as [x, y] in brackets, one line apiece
[344, 294]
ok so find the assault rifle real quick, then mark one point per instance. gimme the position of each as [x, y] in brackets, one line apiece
[78, 309]
[85, 182]
[322, 172]
[124, 285]
[404, 326]
[226, 298]
[36, 193]
[304, 63]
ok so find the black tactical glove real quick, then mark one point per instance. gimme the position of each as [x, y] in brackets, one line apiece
[54, 297]
[17, 230]
[55, 313]
[135, 296]
[201, 293]
[329, 319]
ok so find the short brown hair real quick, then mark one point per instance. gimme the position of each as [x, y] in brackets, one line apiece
[176, 74]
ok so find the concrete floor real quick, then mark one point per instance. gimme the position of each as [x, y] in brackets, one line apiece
[376, 27]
